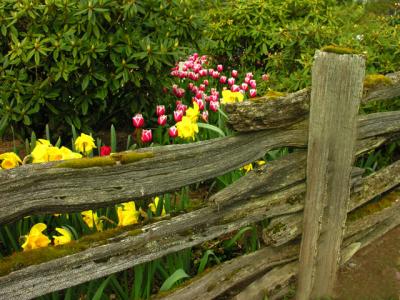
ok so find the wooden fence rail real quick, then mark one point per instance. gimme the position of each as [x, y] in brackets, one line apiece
[275, 191]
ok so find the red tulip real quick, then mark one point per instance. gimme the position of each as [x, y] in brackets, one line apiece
[181, 107]
[231, 81]
[160, 110]
[253, 93]
[178, 114]
[147, 136]
[220, 68]
[199, 95]
[138, 121]
[222, 79]
[244, 86]
[173, 132]
[105, 150]
[253, 84]
[203, 72]
[200, 103]
[215, 74]
[162, 120]
[202, 87]
[234, 73]
[235, 88]
[214, 105]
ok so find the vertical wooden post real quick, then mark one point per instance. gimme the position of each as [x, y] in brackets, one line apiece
[337, 84]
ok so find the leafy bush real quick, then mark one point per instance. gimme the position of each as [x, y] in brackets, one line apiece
[280, 37]
[87, 62]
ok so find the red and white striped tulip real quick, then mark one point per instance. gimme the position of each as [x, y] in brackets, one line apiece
[247, 80]
[160, 110]
[181, 107]
[244, 86]
[253, 93]
[173, 132]
[202, 87]
[222, 79]
[162, 120]
[231, 81]
[205, 82]
[204, 116]
[250, 75]
[178, 114]
[220, 68]
[215, 74]
[234, 73]
[147, 136]
[214, 105]
[203, 72]
[200, 103]
[138, 121]
[253, 84]
[265, 77]
[235, 88]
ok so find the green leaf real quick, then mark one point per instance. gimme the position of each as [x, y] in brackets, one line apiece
[100, 289]
[204, 260]
[173, 279]
[113, 139]
[212, 128]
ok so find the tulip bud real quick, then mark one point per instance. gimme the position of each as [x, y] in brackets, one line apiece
[178, 114]
[204, 116]
[199, 95]
[162, 120]
[235, 88]
[202, 87]
[265, 77]
[231, 81]
[244, 86]
[195, 55]
[203, 72]
[253, 93]
[203, 58]
[222, 79]
[138, 121]
[220, 68]
[215, 74]
[253, 84]
[147, 136]
[234, 73]
[210, 71]
[250, 75]
[190, 85]
[181, 107]
[247, 80]
[200, 103]
[160, 110]
[173, 132]
[105, 150]
[205, 82]
[165, 90]
[214, 105]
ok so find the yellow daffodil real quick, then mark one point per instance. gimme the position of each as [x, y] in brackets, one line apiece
[54, 153]
[64, 238]
[68, 154]
[187, 128]
[84, 143]
[9, 160]
[92, 219]
[36, 239]
[230, 97]
[193, 112]
[247, 168]
[261, 162]
[127, 214]
[153, 206]
[39, 153]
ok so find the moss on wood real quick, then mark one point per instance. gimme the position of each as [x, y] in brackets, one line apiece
[20, 260]
[374, 80]
[271, 94]
[339, 50]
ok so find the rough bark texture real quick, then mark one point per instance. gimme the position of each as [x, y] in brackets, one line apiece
[337, 83]
[277, 112]
[53, 190]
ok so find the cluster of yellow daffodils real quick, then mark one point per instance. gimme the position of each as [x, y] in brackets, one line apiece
[36, 239]
[230, 97]
[91, 219]
[45, 152]
[9, 160]
[187, 127]
[85, 144]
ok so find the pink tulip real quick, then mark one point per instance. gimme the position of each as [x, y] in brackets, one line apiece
[199, 95]
[138, 121]
[220, 68]
[222, 79]
[253, 93]
[162, 120]
[253, 84]
[200, 103]
[214, 105]
[235, 88]
[234, 73]
[210, 72]
[265, 77]
[195, 55]
[231, 81]
[178, 114]
[247, 80]
[203, 72]
[244, 86]
[181, 107]
[173, 132]
[147, 136]
[204, 116]
[250, 75]
[215, 74]
[160, 110]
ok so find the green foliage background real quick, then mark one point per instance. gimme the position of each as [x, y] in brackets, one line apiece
[89, 63]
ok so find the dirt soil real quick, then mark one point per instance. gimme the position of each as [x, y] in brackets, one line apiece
[374, 272]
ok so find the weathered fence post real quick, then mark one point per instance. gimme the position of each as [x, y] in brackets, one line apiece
[337, 84]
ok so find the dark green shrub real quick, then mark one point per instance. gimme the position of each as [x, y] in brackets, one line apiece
[280, 37]
[88, 62]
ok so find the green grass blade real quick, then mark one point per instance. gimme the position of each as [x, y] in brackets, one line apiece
[211, 128]
[100, 289]
[47, 129]
[173, 279]
[113, 139]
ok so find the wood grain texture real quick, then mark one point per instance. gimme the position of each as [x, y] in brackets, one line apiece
[337, 84]
[53, 190]
[278, 112]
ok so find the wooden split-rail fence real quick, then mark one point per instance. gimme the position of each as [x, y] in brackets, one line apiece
[324, 118]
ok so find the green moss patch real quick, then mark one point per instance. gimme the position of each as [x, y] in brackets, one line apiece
[271, 94]
[374, 206]
[339, 50]
[376, 80]
[20, 260]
